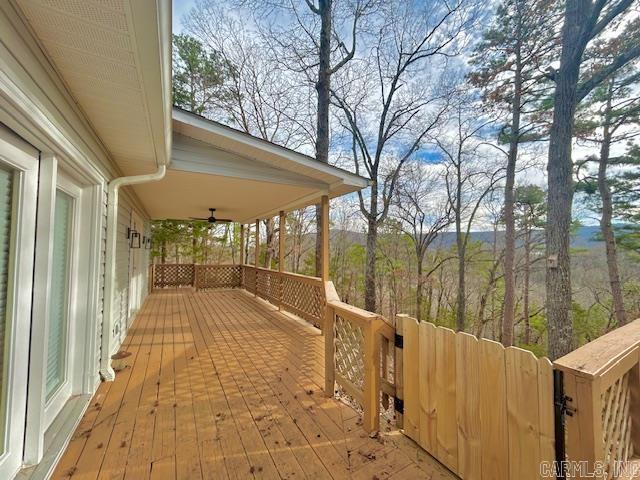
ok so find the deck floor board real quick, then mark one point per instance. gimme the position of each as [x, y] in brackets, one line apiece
[223, 385]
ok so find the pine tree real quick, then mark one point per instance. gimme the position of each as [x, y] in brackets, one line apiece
[198, 75]
[508, 70]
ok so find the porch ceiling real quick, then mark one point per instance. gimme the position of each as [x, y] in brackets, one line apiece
[243, 177]
[114, 58]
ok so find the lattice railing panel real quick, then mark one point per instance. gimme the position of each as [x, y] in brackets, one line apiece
[250, 279]
[304, 298]
[349, 351]
[616, 425]
[268, 285]
[218, 276]
[173, 275]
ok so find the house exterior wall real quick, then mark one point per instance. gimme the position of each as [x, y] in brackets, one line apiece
[35, 105]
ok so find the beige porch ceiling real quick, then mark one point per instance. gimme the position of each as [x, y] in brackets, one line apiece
[114, 58]
[243, 177]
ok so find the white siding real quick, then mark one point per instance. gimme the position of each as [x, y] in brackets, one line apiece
[103, 254]
[123, 267]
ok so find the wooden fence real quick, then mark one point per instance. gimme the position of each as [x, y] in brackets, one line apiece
[484, 411]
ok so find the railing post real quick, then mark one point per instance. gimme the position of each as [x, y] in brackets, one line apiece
[371, 396]
[584, 423]
[282, 237]
[324, 238]
[195, 277]
[257, 249]
[634, 408]
[329, 352]
[241, 243]
[398, 371]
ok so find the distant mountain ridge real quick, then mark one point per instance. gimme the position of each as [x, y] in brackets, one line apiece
[583, 237]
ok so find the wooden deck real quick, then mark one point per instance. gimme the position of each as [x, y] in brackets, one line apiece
[222, 385]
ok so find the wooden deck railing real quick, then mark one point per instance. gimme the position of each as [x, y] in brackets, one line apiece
[173, 275]
[602, 388]
[357, 356]
[299, 294]
[199, 276]
[217, 276]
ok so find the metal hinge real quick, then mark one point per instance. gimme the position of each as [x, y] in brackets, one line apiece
[398, 341]
[398, 405]
[563, 405]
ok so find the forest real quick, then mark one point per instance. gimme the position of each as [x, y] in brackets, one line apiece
[500, 140]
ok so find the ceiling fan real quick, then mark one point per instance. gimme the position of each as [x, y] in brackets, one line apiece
[212, 219]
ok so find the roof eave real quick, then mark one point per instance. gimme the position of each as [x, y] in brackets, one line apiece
[243, 138]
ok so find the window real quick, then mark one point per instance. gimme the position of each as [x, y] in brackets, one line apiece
[59, 298]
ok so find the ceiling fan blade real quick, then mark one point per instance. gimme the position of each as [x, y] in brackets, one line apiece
[199, 218]
[223, 220]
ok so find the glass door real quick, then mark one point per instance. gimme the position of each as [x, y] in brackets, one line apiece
[18, 197]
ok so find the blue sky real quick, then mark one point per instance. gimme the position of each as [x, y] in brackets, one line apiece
[180, 7]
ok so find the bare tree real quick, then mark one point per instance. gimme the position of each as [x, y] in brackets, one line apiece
[315, 38]
[471, 174]
[423, 212]
[387, 108]
[257, 95]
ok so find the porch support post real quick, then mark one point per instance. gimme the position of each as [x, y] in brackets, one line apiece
[324, 238]
[242, 244]
[257, 249]
[281, 240]
[282, 232]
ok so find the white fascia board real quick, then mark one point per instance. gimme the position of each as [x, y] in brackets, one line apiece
[260, 144]
[194, 156]
[152, 29]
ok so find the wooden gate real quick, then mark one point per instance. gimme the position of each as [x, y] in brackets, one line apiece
[484, 411]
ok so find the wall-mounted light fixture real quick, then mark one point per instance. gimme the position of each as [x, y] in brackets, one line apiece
[147, 243]
[134, 239]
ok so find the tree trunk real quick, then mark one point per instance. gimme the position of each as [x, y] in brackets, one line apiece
[462, 248]
[270, 246]
[370, 268]
[440, 294]
[429, 302]
[527, 276]
[372, 242]
[461, 298]
[509, 200]
[605, 222]
[419, 287]
[560, 184]
[323, 87]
